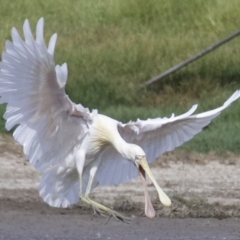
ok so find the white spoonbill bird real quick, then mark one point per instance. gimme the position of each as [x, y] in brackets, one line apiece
[75, 149]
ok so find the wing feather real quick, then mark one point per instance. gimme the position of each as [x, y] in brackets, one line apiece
[155, 136]
[159, 135]
[114, 169]
[49, 124]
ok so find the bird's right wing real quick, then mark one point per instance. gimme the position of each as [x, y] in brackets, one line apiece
[160, 135]
[49, 124]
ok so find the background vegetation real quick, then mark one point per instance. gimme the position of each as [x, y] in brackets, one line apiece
[112, 46]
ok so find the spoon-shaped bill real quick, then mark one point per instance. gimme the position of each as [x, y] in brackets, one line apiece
[164, 199]
[149, 210]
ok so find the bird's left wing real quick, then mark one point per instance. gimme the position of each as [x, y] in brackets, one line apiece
[49, 124]
[155, 136]
[160, 135]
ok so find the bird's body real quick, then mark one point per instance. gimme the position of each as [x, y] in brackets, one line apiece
[74, 149]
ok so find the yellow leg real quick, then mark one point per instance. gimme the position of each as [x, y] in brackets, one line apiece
[101, 209]
[80, 186]
[97, 207]
[88, 189]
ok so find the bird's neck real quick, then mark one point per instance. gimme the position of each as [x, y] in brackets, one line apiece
[124, 148]
[105, 132]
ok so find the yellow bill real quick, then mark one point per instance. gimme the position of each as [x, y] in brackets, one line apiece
[164, 199]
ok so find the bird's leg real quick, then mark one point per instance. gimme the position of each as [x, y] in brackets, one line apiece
[80, 160]
[84, 197]
[80, 155]
[97, 207]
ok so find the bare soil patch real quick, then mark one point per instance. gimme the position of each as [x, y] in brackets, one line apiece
[204, 186]
[199, 185]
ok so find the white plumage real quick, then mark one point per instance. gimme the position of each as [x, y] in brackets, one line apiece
[64, 140]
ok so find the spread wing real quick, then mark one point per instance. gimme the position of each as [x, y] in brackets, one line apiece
[160, 135]
[114, 168]
[49, 124]
[155, 136]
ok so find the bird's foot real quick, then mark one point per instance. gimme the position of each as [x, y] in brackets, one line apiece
[96, 210]
[101, 210]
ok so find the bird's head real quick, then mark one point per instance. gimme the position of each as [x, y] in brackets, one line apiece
[143, 167]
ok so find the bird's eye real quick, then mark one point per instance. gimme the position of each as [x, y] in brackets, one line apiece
[137, 159]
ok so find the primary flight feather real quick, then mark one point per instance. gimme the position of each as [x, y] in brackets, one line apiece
[75, 149]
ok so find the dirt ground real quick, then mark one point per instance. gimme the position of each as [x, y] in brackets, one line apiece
[204, 191]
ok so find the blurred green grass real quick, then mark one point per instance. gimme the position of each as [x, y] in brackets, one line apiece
[112, 46]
